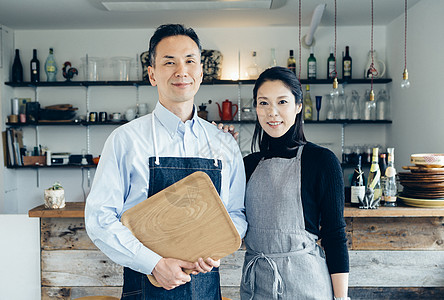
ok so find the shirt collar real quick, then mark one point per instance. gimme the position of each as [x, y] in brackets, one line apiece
[172, 122]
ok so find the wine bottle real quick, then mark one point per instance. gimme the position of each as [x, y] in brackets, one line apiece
[382, 167]
[35, 67]
[17, 68]
[291, 62]
[308, 105]
[311, 65]
[347, 65]
[331, 61]
[374, 177]
[390, 188]
[357, 185]
[50, 66]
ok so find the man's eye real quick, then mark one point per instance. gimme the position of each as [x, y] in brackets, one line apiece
[191, 61]
[169, 63]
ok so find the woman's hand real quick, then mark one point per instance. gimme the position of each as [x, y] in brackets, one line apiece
[227, 128]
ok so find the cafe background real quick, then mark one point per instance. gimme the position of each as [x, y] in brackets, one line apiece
[416, 112]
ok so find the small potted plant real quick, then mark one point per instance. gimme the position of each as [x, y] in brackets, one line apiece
[55, 196]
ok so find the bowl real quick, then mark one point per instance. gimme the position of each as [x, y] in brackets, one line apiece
[428, 160]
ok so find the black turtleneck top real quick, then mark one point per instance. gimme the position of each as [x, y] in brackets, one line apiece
[322, 190]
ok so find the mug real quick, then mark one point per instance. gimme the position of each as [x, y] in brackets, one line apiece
[130, 114]
[103, 116]
[92, 117]
[116, 117]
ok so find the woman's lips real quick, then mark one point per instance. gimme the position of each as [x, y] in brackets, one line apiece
[274, 124]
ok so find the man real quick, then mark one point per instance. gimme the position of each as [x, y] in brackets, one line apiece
[149, 154]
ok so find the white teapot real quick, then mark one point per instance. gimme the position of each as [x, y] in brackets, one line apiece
[379, 66]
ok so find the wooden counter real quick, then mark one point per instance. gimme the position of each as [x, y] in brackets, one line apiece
[395, 253]
[76, 210]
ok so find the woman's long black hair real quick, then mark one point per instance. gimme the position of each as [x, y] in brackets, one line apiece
[289, 79]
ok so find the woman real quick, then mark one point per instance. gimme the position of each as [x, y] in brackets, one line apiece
[294, 196]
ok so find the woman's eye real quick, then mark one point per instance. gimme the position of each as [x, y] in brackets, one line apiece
[263, 103]
[283, 102]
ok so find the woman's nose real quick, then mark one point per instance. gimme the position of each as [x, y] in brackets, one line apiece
[272, 111]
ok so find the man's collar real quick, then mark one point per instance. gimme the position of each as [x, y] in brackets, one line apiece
[172, 122]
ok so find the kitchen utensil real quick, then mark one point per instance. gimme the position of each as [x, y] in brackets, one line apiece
[187, 220]
[122, 67]
[226, 113]
[429, 160]
[103, 116]
[92, 67]
[419, 169]
[116, 117]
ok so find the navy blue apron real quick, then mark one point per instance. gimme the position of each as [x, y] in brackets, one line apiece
[164, 171]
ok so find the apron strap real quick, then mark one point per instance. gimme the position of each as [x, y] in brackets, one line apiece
[157, 162]
[250, 274]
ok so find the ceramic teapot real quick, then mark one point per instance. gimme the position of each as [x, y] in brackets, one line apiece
[226, 112]
[379, 66]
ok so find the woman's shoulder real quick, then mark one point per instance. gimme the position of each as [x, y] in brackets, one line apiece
[252, 158]
[316, 153]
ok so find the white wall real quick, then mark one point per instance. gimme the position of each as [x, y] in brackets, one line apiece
[418, 120]
[71, 45]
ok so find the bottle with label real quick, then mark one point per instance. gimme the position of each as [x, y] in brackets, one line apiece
[357, 185]
[374, 178]
[311, 65]
[331, 61]
[51, 67]
[291, 62]
[347, 65]
[17, 68]
[390, 188]
[308, 105]
[35, 67]
[382, 167]
[273, 62]
[253, 69]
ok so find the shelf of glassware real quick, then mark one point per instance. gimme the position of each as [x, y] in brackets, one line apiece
[213, 82]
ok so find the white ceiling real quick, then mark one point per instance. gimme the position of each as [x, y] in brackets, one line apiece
[91, 14]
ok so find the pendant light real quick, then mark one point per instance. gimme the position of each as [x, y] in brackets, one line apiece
[335, 92]
[372, 69]
[405, 83]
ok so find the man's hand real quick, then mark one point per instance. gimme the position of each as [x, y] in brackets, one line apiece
[169, 274]
[202, 266]
[226, 128]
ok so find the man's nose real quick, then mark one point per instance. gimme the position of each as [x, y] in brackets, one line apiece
[181, 70]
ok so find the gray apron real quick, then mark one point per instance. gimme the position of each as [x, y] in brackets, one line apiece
[283, 260]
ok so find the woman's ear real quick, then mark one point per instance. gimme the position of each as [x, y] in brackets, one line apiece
[298, 108]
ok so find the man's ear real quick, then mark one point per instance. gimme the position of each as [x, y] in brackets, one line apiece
[151, 76]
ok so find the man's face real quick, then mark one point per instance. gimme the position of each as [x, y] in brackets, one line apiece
[178, 71]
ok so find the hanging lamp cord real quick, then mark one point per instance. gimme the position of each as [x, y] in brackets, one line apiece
[300, 63]
[405, 34]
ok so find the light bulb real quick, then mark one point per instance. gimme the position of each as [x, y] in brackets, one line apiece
[405, 83]
[335, 92]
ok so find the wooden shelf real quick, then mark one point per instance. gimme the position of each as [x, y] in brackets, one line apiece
[71, 210]
[146, 83]
[53, 167]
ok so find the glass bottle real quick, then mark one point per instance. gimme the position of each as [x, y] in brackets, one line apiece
[355, 110]
[369, 107]
[308, 105]
[331, 73]
[35, 67]
[374, 178]
[341, 107]
[17, 68]
[253, 69]
[347, 64]
[382, 105]
[330, 108]
[311, 65]
[273, 62]
[357, 185]
[51, 67]
[291, 62]
[390, 188]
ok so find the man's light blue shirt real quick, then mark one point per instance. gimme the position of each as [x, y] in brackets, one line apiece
[122, 179]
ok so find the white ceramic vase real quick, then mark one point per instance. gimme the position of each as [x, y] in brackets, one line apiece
[55, 199]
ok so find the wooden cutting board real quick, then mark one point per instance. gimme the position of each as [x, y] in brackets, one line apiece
[187, 220]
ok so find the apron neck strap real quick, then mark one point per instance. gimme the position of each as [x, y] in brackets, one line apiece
[156, 153]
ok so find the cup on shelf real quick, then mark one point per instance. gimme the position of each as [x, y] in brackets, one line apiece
[92, 68]
[122, 67]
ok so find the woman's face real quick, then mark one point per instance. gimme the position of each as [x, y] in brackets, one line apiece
[276, 108]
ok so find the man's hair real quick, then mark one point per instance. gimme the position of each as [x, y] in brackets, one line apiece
[167, 30]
